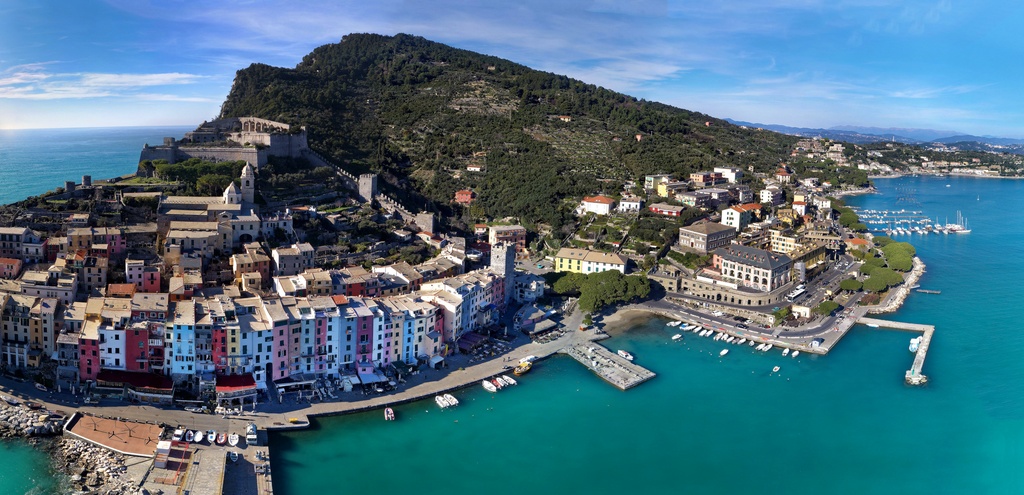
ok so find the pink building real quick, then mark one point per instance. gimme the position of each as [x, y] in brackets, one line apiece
[10, 268]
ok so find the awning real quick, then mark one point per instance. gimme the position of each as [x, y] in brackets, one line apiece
[436, 359]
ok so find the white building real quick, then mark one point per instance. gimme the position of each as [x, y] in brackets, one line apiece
[731, 174]
[600, 205]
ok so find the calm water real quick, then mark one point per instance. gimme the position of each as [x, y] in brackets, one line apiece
[844, 423]
[33, 161]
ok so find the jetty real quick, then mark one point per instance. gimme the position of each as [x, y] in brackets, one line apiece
[613, 368]
[929, 291]
[913, 375]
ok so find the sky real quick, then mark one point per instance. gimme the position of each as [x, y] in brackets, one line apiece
[934, 64]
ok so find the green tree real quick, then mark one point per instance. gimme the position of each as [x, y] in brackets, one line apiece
[851, 284]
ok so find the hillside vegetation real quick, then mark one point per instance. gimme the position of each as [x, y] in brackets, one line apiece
[418, 112]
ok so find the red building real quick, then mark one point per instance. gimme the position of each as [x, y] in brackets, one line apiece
[465, 196]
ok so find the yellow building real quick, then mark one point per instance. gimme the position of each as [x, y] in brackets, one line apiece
[586, 261]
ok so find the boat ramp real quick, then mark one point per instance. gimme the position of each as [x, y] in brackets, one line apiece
[613, 368]
[914, 375]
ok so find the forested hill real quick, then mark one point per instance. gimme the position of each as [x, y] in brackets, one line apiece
[419, 112]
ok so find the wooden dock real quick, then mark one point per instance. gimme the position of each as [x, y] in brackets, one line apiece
[929, 291]
[613, 368]
[913, 375]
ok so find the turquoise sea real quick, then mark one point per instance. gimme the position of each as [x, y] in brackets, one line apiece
[839, 424]
[33, 161]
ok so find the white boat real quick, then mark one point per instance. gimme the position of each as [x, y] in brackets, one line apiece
[233, 439]
[731, 339]
[497, 383]
[776, 369]
[509, 380]
[178, 435]
[677, 336]
[742, 341]
[760, 347]
[769, 347]
[724, 352]
[389, 414]
[441, 402]
[628, 356]
[915, 343]
[198, 436]
[211, 436]
[751, 343]
[785, 352]
[488, 386]
[451, 399]
[795, 354]
[189, 435]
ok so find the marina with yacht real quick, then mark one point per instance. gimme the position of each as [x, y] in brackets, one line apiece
[908, 222]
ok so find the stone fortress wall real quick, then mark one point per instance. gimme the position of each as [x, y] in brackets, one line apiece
[249, 139]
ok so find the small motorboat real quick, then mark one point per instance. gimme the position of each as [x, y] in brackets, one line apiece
[452, 401]
[497, 383]
[198, 435]
[488, 386]
[523, 368]
[40, 387]
[769, 347]
[233, 439]
[233, 455]
[628, 356]
[189, 435]
[389, 414]
[222, 438]
[742, 341]
[795, 354]
[441, 402]
[785, 352]
[776, 369]
[724, 352]
[211, 436]
[509, 380]
[677, 336]
[178, 435]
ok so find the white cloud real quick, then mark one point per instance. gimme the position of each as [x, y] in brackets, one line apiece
[33, 82]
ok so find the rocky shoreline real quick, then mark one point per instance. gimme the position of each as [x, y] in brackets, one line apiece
[87, 468]
[93, 469]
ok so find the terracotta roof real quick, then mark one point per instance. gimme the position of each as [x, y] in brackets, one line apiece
[605, 200]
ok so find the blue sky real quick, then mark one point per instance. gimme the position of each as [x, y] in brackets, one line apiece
[939, 64]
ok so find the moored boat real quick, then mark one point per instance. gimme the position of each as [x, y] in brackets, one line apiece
[523, 368]
[189, 435]
[795, 354]
[628, 356]
[222, 438]
[234, 456]
[915, 343]
[211, 436]
[439, 399]
[198, 436]
[724, 352]
[509, 380]
[452, 401]
[389, 414]
[488, 386]
[497, 383]
[785, 352]
[769, 347]
[742, 341]
[233, 439]
[677, 336]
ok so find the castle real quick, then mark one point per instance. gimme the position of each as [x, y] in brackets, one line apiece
[248, 139]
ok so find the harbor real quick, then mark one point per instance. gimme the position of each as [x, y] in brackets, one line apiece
[913, 375]
[907, 222]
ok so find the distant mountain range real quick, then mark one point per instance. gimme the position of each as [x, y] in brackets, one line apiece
[861, 135]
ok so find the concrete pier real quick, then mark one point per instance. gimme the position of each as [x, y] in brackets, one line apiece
[610, 366]
[913, 375]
